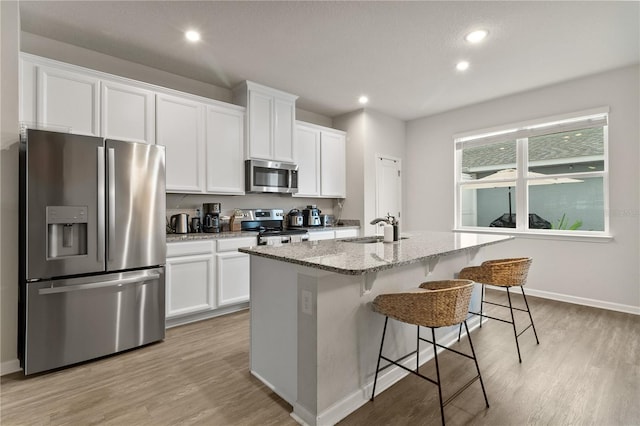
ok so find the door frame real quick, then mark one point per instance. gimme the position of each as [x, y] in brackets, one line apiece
[398, 160]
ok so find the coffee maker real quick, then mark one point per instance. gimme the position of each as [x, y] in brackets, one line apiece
[211, 220]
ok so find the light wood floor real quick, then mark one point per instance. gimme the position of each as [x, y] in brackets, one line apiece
[586, 371]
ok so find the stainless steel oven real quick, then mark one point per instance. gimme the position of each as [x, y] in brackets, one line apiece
[271, 176]
[270, 226]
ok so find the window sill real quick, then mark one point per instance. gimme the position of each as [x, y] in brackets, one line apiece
[542, 235]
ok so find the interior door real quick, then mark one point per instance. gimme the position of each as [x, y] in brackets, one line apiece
[136, 205]
[388, 187]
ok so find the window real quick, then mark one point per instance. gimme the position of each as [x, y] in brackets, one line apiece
[542, 177]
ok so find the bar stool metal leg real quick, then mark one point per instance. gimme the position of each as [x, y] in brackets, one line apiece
[481, 307]
[530, 317]
[375, 380]
[513, 324]
[475, 360]
[417, 348]
[435, 355]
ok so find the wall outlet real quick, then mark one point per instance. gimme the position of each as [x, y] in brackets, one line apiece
[307, 302]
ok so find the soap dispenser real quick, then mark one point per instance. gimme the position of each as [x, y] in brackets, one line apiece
[388, 233]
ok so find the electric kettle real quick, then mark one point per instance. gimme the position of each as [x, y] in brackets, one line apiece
[179, 223]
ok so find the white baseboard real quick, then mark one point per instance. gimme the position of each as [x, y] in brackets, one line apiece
[8, 367]
[189, 318]
[629, 309]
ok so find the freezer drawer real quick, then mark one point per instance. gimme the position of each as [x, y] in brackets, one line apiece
[74, 320]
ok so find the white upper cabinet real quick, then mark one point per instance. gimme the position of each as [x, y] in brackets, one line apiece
[284, 129]
[67, 101]
[181, 130]
[260, 125]
[270, 121]
[333, 162]
[128, 113]
[308, 161]
[321, 159]
[225, 150]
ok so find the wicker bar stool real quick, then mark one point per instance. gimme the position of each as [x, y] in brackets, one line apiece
[435, 304]
[502, 273]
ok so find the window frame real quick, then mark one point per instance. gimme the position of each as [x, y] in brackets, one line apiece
[521, 132]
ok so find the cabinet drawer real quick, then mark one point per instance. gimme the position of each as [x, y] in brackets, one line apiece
[321, 235]
[346, 233]
[187, 248]
[232, 244]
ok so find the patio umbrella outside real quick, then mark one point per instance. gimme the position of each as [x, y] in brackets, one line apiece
[504, 178]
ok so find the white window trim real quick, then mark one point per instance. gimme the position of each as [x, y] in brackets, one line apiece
[507, 132]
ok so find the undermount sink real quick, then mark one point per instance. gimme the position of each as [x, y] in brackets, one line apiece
[367, 240]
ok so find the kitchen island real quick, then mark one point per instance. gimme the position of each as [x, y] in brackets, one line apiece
[314, 337]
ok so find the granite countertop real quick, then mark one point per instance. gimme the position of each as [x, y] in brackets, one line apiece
[171, 238]
[235, 234]
[351, 258]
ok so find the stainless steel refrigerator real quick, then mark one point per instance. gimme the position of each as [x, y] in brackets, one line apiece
[92, 248]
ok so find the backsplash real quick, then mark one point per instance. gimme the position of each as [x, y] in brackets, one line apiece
[188, 203]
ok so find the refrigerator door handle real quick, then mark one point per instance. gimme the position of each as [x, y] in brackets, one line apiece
[112, 202]
[101, 223]
[91, 286]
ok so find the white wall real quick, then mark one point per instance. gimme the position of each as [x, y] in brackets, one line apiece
[9, 46]
[370, 133]
[353, 124]
[605, 274]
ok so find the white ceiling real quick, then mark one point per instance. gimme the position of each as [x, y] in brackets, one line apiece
[401, 54]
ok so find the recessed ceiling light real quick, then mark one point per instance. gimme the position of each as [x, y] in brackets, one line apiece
[462, 66]
[476, 36]
[363, 100]
[192, 35]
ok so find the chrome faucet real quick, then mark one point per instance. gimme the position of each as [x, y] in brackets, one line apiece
[378, 220]
[391, 220]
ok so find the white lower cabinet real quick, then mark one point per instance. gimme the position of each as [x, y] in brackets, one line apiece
[321, 235]
[206, 278]
[330, 235]
[347, 233]
[190, 278]
[233, 270]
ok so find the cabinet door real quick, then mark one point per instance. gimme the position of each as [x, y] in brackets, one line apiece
[128, 113]
[225, 150]
[189, 282]
[333, 165]
[260, 125]
[181, 130]
[308, 161]
[284, 129]
[347, 233]
[68, 101]
[321, 235]
[233, 277]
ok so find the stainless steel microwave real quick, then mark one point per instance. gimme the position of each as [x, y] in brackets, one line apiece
[271, 176]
